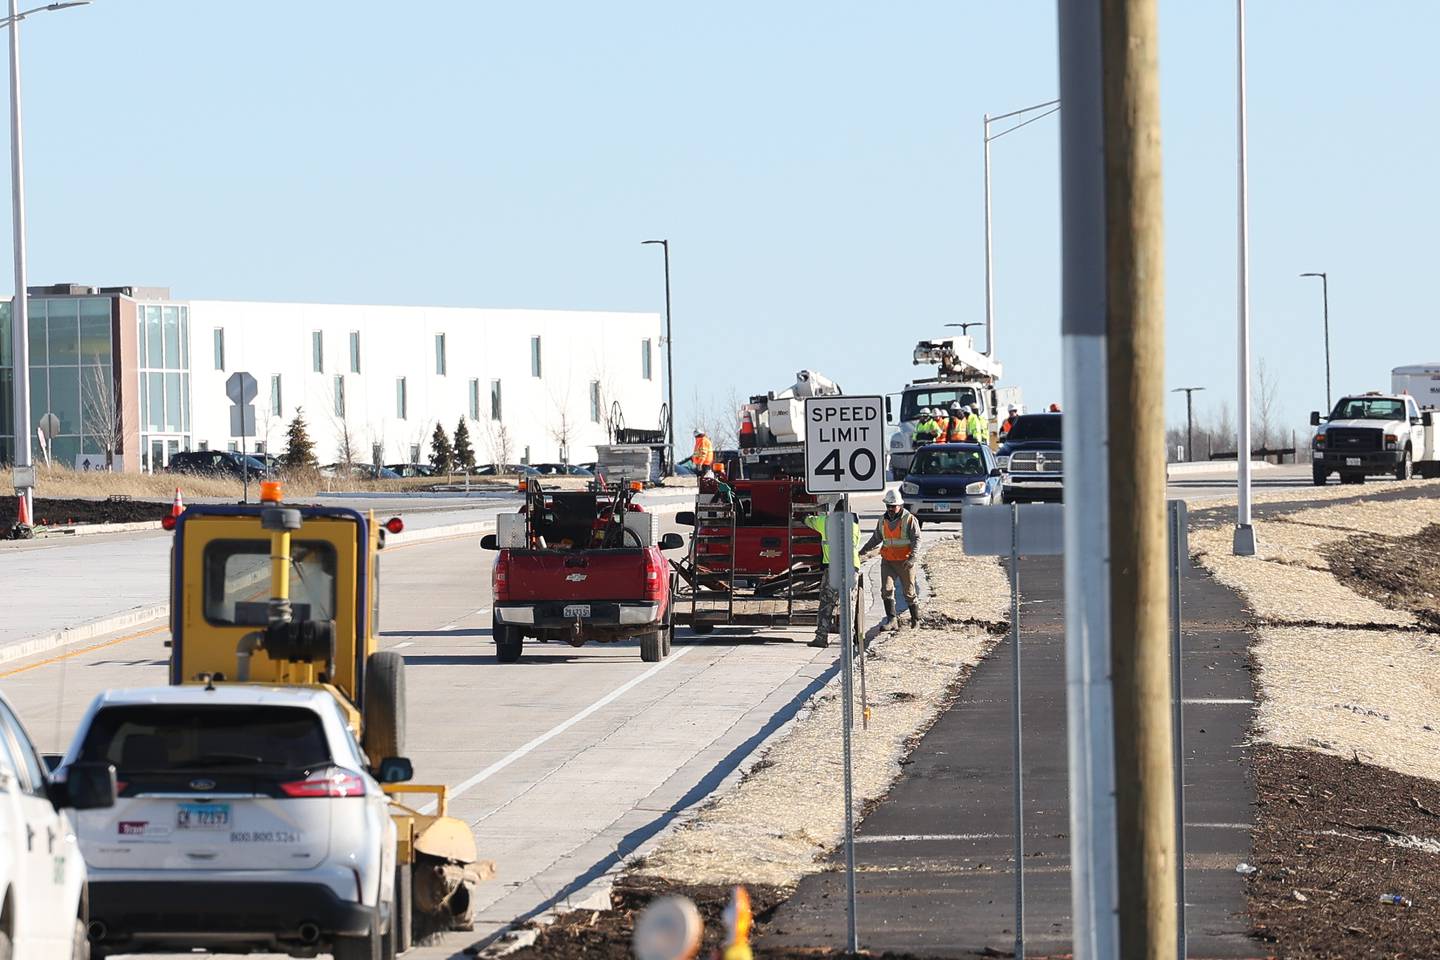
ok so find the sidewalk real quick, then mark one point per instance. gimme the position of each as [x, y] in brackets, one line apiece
[934, 858]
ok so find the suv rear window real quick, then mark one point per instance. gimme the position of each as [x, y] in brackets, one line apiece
[157, 739]
[237, 581]
[1035, 426]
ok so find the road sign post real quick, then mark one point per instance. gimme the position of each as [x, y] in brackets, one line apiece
[845, 454]
[241, 389]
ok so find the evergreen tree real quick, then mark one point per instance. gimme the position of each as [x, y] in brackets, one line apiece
[299, 448]
[442, 456]
[464, 453]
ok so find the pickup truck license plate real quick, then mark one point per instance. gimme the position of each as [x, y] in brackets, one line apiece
[203, 816]
[577, 611]
[942, 508]
[1352, 461]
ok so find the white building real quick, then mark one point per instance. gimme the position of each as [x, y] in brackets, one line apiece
[383, 376]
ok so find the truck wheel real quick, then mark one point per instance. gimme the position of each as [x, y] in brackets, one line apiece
[1405, 469]
[652, 646]
[669, 632]
[702, 627]
[371, 946]
[402, 923]
[508, 642]
[1321, 475]
[385, 705]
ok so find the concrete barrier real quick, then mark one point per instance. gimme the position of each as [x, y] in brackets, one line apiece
[1225, 468]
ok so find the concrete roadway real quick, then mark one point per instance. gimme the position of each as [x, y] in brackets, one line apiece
[564, 763]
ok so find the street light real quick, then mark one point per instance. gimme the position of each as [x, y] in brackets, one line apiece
[1243, 544]
[1189, 419]
[1054, 106]
[19, 311]
[966, 326]
[669, 357]
[1325, 295]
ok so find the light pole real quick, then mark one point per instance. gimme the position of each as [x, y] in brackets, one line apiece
[1053, 106]
[669, 357]
[966, 326]
[19, 312]
[1325, 296]
[1244, 540]
[1189, 420]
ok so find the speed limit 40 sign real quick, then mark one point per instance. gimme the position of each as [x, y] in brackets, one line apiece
[844, 444]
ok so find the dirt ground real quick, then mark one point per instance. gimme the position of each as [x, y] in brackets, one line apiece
[1332, 837]
[65, 512]
[1367, 565]
[602, 935]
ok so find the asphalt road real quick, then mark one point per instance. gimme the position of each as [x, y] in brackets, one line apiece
[563, 764]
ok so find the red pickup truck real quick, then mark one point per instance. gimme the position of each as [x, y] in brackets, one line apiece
[578, 566]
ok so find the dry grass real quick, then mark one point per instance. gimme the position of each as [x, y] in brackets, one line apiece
[779, 821]
[63, 483]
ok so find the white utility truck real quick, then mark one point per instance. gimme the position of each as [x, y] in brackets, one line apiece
[965, 376]
[1374, 434]
[772, 427]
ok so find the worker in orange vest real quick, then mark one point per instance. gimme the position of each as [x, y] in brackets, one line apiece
[898, 537]
[957, 424]
[704, 454]
[942, 425]
[1009, 423]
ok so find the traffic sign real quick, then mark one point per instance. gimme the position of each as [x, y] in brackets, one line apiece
[242, 421]
[240, 388]
[50, 426]
[844, 444]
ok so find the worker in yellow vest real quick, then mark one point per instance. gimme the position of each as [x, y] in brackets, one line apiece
[975, 426]
[897, 534]
[704, 454]
[829, 596]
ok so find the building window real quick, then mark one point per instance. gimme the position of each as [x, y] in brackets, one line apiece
[474, 399]
[534, 356]
[526, 458]
[495, 409]
[317, 351]
[440, 354]
[594, 401]
[354, 351]
[277, 405]
[219, 348]
[204, 445]
[232, 446]
[645, 359]
[400, 399]
[339, 396]
[414, 453]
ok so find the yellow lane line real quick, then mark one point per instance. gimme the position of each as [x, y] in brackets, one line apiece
[75, 653]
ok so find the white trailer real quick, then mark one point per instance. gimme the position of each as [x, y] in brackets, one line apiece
[1421, 381]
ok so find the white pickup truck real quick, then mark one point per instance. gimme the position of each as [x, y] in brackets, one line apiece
[1374, 434]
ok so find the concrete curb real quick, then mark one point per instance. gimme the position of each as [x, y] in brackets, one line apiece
[134, 617]
[1224, 468]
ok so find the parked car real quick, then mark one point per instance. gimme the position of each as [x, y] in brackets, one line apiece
[1031, 459]
[513, 469]
[42, 873]
[216, 463]
[247, 819]
[358, 471]
[411, 469]
[944, 478]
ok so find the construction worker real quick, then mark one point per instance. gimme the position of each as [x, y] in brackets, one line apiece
[704, 454]
[898, 536]
[1009, 423]
[829, 596]
[942, 424]
[926, 431]
[958, 432]
[976, 427]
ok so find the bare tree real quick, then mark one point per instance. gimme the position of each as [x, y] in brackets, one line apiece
[1266, 398]
[100, 413]
[347, 447]
[1220, 434]
[562, 427]
[498, 439]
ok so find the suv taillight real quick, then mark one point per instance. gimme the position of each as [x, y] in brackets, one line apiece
[654, 574]
[330, 782]
[500, 577]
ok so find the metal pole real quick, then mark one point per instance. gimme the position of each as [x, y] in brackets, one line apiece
[1244, 541]
[19, 309]
[847, 719]
[989, 272]
[1179, 554]
[1189, 425]
[1325, 298]
[669, 357]
[1016, 712]
[1089, 718]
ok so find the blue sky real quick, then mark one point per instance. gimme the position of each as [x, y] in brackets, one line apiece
[816, 166]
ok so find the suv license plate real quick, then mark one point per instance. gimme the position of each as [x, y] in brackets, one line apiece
[1352, 461]
[203, 816]
[942, 508]
[577, 611]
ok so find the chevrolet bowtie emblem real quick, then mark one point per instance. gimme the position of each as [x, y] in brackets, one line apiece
[576, 577]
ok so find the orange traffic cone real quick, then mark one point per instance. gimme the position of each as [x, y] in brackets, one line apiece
[22, 512]
[178, 507]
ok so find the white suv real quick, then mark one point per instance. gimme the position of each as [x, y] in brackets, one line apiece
[246, 819]
[42, 875]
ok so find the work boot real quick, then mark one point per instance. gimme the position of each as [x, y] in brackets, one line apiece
[890, 622]
[821, 641]
[914, 615]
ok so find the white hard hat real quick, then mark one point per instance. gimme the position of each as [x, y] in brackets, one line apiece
[699, 433]
[967, 409]
[955, 405]
[927, 412]
[893, 498]
[1014, 409]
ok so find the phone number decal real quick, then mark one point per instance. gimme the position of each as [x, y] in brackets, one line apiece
[264, 836]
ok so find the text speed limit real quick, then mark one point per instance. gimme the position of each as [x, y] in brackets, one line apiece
[844, 444]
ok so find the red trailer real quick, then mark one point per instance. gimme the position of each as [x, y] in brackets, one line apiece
[752, 561]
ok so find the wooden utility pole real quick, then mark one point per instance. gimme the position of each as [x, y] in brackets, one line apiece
[1139, 586]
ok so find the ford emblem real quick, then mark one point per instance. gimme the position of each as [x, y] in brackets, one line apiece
[201, 783]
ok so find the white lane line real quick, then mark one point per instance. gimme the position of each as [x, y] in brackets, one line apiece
[1218, 826]
[1218, 702]
[455, 624]
[913, 837]
[402, 645]
[466, 785]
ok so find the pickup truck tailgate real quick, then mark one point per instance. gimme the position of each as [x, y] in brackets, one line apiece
[542, 575]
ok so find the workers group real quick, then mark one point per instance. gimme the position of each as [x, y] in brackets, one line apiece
[957, 425]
